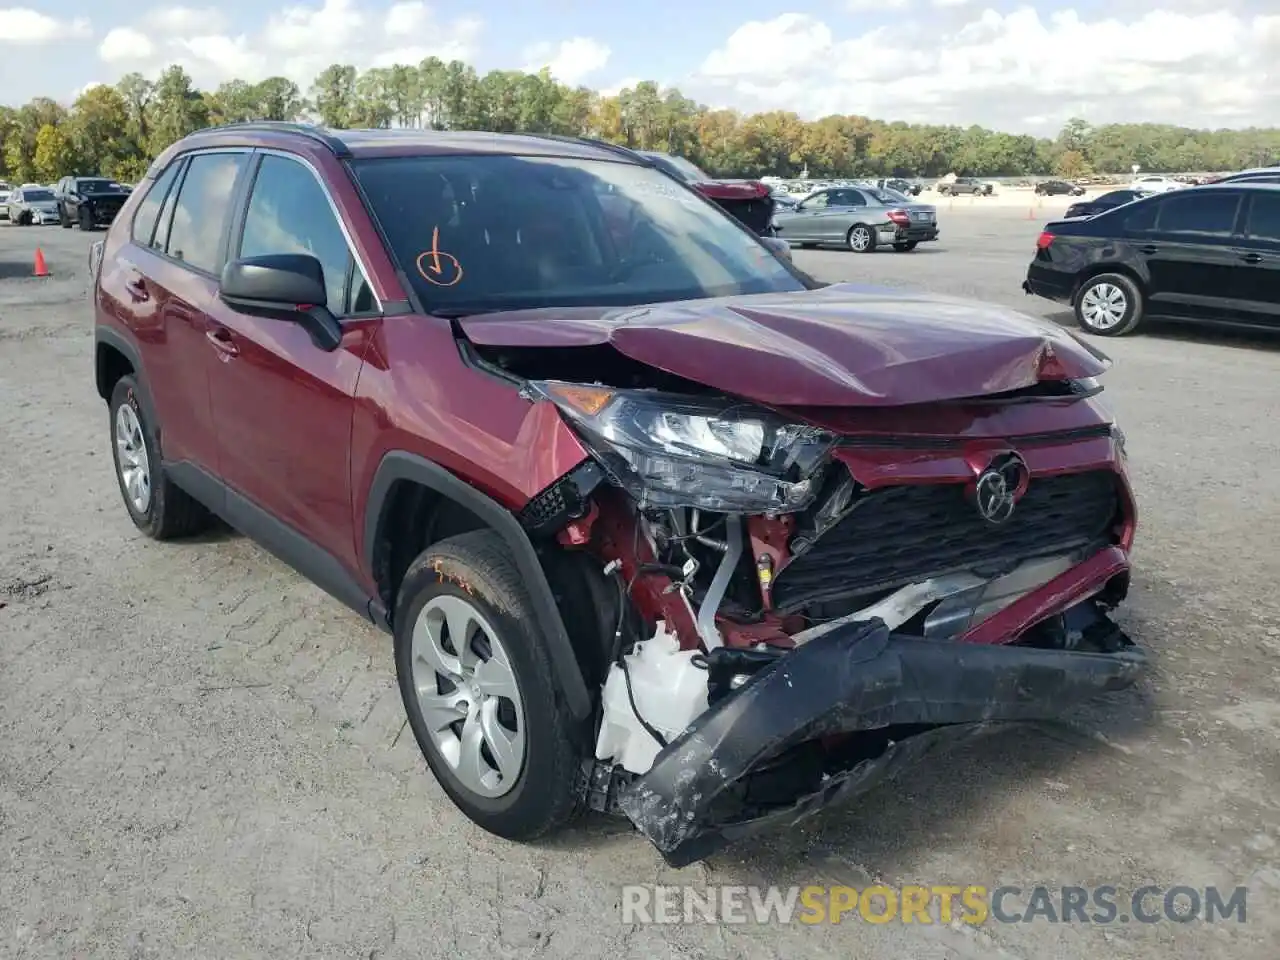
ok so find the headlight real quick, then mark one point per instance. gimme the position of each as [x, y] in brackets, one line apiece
[670, 450]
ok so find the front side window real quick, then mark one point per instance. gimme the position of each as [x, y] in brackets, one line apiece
[1211, 212]
[289, 212]
[200, 213]
[477, 233]
[1264, 217]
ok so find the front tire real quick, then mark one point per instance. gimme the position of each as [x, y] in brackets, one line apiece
[63, 220]
[478, 687]
[1109, 305]
[861, 239]
[85, 219]
[156, 505]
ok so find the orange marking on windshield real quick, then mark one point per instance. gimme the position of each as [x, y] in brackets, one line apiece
[443, 270]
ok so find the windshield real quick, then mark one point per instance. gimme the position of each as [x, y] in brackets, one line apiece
[37, 195]
[480, 233]
[98, 186]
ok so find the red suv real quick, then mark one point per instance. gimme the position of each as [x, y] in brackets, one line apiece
[659, 524]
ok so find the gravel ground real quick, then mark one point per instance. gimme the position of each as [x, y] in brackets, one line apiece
[202, 755]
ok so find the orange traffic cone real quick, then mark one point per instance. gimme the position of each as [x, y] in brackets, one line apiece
[1031, 213]
[40, 269]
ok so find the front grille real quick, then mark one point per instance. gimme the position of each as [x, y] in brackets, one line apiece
[900, 535]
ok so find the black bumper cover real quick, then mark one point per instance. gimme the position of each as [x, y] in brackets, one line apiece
[856, 679]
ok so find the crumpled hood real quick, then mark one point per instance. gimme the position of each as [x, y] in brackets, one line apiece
[842, 345]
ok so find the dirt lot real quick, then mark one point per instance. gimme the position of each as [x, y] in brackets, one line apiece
[202, 755]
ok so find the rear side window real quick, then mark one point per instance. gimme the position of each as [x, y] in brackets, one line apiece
[200, 214]
[1264, 217]
[289, 212]
[1211, 212]
[144, 221]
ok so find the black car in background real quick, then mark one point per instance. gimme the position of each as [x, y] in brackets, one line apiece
[89, 202]
[1108, 201]
[1058, 188]
[1208, 253]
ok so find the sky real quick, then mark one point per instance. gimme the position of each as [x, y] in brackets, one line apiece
[1019, 65]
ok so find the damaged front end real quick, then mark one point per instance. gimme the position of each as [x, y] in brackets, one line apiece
[800, 608]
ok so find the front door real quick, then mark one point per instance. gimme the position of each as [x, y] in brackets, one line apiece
[1258, 278]
[282, 405]
[1190, 255]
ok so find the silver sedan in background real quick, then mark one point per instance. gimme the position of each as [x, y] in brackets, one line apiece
[860, 218]
[30, 205]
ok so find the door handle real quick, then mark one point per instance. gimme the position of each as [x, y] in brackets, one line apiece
[1148, 249]
[1251, 258]
[138, 290]
[223, 342]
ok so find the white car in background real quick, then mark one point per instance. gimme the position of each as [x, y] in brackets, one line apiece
[1156, 184]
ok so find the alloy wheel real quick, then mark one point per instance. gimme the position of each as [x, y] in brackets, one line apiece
[131, 456]
[1103, 306]
[469, 697]
[860, 239]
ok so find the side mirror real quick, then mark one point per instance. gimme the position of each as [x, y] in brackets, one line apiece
[287, 286]
[777, 246]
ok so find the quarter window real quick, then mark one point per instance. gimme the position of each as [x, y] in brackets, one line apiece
[200, 214]
[144, 221]
[1212, 212]
[289, 212]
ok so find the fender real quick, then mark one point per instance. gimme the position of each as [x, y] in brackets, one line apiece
[399, 465]
[115, 340]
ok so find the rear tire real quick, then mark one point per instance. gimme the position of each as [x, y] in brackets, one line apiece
[1109, 305]
[156, 505]
[906, 246]
[470, 582]
[861, 239]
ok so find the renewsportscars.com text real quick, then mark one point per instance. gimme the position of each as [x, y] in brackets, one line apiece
[939, 903]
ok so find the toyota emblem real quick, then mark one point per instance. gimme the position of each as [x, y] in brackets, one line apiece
[999, 486]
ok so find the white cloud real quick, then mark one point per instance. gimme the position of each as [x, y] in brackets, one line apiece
[126, 45]
[950, 3]
[570, 61]
[872, 6]
[297, 41]
[1204, 69]
[613, 89]
[23, 26]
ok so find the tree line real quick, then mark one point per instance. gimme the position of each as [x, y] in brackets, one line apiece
[117, 130]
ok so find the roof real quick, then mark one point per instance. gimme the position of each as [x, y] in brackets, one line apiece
[414, 142]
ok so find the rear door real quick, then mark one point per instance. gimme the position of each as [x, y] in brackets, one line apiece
[1189, 254]
[283, 406]
[168, 277]
[1258, 278]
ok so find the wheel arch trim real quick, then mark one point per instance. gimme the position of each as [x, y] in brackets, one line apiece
[399, 465]
[107, 337]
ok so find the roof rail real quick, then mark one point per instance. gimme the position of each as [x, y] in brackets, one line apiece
[596, 142]
[309, 130]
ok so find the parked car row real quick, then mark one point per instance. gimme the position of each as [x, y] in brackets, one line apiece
[86, 202]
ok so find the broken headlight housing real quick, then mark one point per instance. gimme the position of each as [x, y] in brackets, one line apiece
[670, 450]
